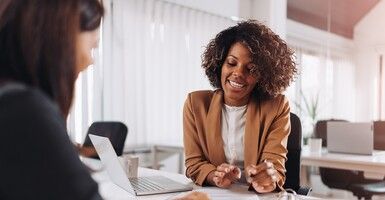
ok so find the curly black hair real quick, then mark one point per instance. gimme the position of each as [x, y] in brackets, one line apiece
[272, 57]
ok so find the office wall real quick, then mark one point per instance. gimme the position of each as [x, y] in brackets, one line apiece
[225, 8]
[369, 39]
[336, 83]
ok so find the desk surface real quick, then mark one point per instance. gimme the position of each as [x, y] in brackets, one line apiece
[370, 164]
[110, 191]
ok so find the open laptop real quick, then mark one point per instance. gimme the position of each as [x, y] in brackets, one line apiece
[347, 137]
[136, 186]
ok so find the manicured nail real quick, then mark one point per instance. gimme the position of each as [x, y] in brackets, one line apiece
[248, 179]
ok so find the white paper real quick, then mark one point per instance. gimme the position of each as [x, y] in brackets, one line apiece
[238, 192]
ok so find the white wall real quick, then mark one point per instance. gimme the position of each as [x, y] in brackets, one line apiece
[224, 8]
[369, 39]
[272, 13]
[317, 41]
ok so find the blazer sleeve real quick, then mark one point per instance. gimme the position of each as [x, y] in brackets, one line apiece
[275, 149]
[197, 166]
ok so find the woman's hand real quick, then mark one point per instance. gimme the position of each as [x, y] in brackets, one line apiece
[262, 177]
[85, 151]
[224, 175]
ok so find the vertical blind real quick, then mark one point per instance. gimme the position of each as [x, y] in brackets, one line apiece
[150, 60]
[327, 80]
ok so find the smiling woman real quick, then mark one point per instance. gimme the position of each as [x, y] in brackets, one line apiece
[237, 77]
[239, 131]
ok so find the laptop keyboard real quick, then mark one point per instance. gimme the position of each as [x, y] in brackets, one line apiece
[144, 184]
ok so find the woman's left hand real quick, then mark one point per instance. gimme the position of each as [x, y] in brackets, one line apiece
[262, 177]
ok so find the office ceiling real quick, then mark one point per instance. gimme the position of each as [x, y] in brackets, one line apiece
[345, 14]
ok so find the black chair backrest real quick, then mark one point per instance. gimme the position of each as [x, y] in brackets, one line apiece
[115, 131]
[294, 144]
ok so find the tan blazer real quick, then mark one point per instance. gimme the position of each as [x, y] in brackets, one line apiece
[266, 132]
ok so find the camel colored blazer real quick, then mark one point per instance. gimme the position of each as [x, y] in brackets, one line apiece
[266, 132]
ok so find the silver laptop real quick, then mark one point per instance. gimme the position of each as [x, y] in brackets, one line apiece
[136, 186]
[347, 137]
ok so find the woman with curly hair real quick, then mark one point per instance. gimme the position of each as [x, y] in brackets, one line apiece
[241, 128]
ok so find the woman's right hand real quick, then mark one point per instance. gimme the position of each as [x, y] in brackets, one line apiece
[262, 177]
[224, 175]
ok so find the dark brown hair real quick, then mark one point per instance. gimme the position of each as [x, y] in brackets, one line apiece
[38, 45]
[91, 13]
[273, 58]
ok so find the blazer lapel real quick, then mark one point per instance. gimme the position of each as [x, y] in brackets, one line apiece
[213, 130]
[252, 132]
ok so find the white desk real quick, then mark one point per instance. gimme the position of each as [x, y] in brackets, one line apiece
[373, 166]
[110, 191]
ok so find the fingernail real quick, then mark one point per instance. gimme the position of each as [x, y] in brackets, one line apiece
[248, 179]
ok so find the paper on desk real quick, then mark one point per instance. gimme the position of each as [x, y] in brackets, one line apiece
[238, 192]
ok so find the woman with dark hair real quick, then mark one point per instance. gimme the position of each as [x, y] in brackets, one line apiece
[91, 14]
[90, 17]
[43, 49]
[241, 128]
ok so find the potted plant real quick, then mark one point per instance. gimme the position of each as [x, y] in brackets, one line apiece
[310, 108]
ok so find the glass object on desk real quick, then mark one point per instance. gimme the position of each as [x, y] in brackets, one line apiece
[315, 145]
[130, 165]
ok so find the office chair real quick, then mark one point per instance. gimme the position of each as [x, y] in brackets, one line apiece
[115, 131]
[350, 180]
[293, 163]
